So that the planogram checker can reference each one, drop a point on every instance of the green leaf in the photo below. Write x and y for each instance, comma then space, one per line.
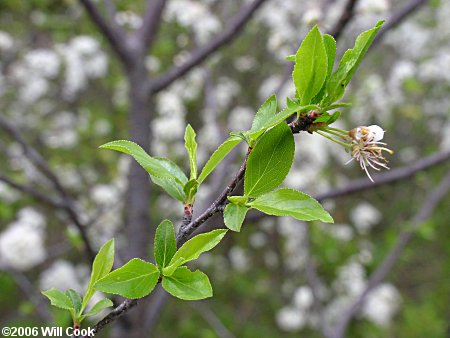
165, 243
289, 202
136, 279
311, 66
75, 298
172, 168
270, 161
234, 216
98, 307
191, 147
330, 48
293, 107
239, 200
103, 263
265, 113
163, 172
290, 58
333, 118
150, 164
188, 285
58, 299
190, 190
193, 248
348, 65
218, 156
173, 186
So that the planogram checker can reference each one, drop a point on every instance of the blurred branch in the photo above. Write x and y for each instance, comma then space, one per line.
151, 21
344, 19
112, 32
43, 166
32, 192
210, 317
398, 17
111, 8
430, 203
31, 295
387, 177
230, 32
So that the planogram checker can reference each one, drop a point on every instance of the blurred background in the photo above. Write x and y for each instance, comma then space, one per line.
77, 74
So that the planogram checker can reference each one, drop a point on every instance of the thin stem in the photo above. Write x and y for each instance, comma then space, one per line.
332, 132
346, 145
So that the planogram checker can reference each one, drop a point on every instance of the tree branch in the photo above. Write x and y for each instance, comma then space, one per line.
151, 21
113, 34
387, 177
430, 203
398, 17
42, 165
200, 54
344, 19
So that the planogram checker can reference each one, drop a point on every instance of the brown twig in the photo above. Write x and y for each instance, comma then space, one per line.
430, 203
230, 32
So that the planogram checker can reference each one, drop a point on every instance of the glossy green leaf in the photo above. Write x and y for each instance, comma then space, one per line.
291, 57
163, 172
171, 186
165, 243
265, 113
174, 185
136, 279
190, 190
75, 298
188, 285
58, 299
289, 202
330, 48
193, 248
311, 66
191, 147
234, 216
101, 266
293, 107
270, 161
348, 65
150, 164
218, 156
98, 307
240, 200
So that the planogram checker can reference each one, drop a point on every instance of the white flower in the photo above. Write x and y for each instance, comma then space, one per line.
303, 297
290, 319
381, 304
364, 216
22, 243
6, 41
367, 148
63, 275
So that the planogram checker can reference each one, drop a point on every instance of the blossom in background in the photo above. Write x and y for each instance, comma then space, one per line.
22, 243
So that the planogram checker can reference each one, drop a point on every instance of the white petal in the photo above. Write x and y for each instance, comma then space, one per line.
377, 132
